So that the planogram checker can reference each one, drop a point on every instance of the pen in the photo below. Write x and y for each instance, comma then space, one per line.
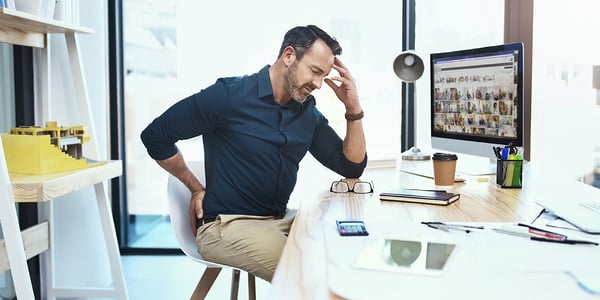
512, 232
543, 239
565, 241
526, 232
453, 225
543, 232
436, 227
505, 151
446, 227
497, 151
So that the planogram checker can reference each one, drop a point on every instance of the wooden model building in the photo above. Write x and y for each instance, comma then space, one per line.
42, 150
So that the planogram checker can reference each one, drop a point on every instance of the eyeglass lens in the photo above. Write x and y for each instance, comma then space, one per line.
360, 187
340, 187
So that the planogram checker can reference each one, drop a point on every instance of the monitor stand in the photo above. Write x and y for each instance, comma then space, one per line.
475, 165
415, 153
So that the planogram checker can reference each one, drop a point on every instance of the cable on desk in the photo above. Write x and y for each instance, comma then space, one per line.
539, 215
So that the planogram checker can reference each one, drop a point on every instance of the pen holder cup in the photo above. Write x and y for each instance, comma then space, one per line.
509, 173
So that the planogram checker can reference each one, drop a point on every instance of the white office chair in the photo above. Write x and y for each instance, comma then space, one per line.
179, 198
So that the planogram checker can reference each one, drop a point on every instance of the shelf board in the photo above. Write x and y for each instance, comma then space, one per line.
17, 27
35, 241
40, 188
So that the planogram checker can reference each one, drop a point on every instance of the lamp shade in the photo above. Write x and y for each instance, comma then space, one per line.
408, 66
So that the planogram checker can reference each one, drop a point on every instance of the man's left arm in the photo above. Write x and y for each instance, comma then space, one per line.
354, 145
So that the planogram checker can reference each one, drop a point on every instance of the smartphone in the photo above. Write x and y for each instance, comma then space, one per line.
351, 228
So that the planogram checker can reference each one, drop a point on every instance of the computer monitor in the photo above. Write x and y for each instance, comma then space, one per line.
477, 102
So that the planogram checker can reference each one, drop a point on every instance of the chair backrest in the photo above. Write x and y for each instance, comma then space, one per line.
179, 202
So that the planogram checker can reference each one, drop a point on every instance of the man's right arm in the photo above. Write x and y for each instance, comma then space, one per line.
160, 137
188, 118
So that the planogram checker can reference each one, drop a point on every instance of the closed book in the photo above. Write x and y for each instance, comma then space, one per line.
436, 197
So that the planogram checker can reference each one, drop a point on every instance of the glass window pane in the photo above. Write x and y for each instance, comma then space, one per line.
442, 26
174, 49
565, 89
150, 87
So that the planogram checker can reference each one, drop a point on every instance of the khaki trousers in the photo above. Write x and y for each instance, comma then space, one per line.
251, 243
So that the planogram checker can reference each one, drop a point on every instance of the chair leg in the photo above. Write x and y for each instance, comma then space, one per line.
251, 287
206, 281
235, 284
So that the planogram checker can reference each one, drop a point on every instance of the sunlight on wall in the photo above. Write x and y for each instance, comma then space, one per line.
564, 110
176, 49
447, 26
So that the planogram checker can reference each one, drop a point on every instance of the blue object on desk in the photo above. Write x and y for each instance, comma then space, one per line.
504, 154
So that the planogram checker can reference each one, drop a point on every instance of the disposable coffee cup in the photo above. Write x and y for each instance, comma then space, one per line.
444, 168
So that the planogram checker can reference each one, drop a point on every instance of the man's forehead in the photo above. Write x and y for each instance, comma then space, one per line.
319, 56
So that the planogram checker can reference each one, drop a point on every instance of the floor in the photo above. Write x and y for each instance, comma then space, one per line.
160, 277
151, 277
175, 276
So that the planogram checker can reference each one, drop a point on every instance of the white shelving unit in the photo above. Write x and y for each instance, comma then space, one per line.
29, 30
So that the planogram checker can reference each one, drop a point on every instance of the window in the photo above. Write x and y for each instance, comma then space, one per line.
565, 89
174, 49
442, 26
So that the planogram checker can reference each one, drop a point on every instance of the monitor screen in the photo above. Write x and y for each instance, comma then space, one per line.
477, 99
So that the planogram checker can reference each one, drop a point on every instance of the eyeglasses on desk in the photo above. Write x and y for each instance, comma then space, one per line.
358, 187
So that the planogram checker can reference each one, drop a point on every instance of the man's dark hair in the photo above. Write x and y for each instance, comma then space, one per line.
303, 37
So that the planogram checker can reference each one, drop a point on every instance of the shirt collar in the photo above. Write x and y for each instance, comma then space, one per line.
264, 82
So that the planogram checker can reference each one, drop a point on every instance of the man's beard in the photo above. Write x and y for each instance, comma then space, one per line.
294, 88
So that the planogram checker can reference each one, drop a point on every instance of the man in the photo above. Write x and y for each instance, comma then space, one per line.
256, 129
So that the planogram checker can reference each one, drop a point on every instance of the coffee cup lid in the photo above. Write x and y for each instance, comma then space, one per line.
444, 156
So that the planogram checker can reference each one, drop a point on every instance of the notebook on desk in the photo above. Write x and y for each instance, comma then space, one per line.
584, 214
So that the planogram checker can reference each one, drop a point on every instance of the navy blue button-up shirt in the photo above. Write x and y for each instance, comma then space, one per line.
252, 145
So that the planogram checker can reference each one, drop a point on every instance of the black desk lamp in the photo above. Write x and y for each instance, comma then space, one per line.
409, 67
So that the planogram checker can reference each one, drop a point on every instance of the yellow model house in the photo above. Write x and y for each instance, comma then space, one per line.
42, 150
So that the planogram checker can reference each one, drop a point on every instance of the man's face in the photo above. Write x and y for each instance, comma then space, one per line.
305, 75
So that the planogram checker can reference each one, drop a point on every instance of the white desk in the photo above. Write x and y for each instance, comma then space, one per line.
306, 271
